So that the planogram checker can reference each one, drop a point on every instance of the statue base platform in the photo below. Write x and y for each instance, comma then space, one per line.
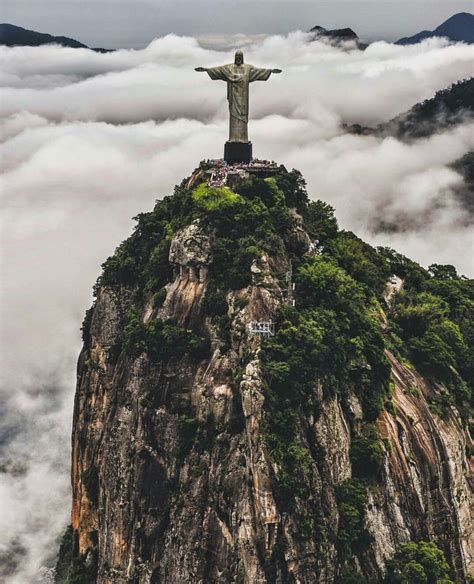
237, 152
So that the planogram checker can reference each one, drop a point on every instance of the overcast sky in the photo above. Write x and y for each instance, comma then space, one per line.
133, 23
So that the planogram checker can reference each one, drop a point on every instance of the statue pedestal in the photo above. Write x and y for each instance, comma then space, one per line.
237, 152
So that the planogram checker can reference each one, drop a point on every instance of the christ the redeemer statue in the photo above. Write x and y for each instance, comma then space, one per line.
238, 76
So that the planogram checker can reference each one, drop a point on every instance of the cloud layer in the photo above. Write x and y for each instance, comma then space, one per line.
89, 140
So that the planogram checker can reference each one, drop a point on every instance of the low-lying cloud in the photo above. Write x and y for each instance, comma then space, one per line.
89, 140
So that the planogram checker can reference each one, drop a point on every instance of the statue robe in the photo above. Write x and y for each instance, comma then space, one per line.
238, 78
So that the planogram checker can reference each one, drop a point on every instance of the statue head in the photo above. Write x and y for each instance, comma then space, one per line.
239, 58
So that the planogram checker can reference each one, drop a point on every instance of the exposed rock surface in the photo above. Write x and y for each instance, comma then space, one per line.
172, 479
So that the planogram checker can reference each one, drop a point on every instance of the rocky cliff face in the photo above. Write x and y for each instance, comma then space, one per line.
175, 473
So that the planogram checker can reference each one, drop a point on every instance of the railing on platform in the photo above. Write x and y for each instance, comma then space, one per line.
262, 328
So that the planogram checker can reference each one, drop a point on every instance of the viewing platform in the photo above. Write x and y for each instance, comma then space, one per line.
262, 328
219, 173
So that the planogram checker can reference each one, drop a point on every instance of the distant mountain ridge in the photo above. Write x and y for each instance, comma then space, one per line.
12, 35
458, 28
337, 36
446, 108
17, 36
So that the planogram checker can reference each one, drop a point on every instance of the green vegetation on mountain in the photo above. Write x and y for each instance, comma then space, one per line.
446, 108
162, 340
418, 563
72, 568
352, 535
431, 324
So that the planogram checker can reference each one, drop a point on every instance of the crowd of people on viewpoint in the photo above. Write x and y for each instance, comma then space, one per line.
220, 168
218, 176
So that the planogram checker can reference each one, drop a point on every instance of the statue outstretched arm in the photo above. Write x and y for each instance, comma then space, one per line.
215, 72
257, 74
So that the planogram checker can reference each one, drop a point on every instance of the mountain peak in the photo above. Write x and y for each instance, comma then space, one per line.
241, 390
12, 35
336, 36
457, 28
